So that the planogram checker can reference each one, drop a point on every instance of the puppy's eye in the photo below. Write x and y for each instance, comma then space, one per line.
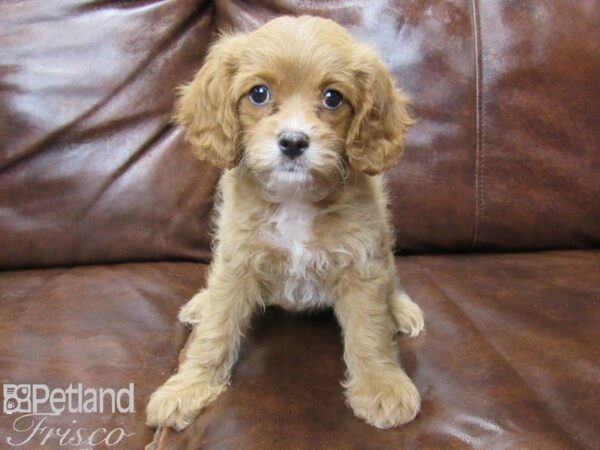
259, 95
332, 99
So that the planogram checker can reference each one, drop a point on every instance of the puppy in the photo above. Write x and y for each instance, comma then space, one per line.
303, 119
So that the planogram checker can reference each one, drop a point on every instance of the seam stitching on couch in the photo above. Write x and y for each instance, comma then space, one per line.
479, 150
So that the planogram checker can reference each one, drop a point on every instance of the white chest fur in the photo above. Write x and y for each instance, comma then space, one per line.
292, 229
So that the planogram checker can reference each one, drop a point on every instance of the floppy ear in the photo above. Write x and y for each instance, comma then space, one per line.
207, 107
375, 137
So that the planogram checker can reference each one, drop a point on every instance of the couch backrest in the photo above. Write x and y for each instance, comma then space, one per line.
90, 168
505, 154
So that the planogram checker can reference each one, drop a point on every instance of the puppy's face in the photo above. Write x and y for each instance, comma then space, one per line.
296, 105
297, 102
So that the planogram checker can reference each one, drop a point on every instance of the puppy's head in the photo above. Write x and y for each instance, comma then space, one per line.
296, 102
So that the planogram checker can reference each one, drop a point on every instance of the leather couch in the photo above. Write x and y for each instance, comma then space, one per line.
104, 212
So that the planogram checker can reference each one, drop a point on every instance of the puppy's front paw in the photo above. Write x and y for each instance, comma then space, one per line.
407, 314
177, 402
384, 400
190, 312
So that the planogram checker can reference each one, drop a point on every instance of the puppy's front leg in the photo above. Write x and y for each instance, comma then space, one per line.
230, 300
377, 388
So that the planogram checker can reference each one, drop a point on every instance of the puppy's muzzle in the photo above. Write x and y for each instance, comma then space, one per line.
293, 144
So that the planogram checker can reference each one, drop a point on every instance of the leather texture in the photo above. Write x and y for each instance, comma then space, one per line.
504, 154
104, 221
102, 326
538, 154
508, 360
91, 170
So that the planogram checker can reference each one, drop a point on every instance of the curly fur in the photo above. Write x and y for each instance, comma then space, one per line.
309, 233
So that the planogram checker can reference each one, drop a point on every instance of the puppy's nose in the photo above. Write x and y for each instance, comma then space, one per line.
293, 143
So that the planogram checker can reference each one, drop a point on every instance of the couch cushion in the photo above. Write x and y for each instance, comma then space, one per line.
91, 170
537, 153
504, 154
102, 326
509, 359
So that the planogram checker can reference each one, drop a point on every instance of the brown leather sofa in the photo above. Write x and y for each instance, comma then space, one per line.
103, 224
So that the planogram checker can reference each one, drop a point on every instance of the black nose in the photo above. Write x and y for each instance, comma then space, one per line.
293, 144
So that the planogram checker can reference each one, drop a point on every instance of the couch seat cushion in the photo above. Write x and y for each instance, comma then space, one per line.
509, 359
102, 326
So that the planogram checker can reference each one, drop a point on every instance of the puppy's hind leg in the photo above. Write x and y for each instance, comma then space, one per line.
407, 314
190, 312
